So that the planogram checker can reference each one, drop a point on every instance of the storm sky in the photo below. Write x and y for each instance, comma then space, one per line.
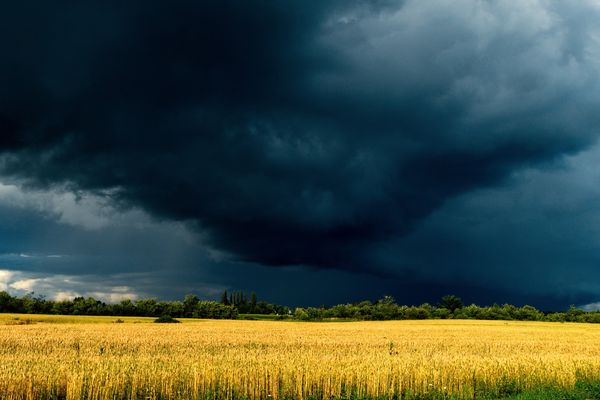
314, 152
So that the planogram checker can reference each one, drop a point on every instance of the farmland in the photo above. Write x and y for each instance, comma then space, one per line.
96, 358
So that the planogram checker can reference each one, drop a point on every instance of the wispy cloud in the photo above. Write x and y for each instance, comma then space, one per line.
62, 287
591, 306
81, 209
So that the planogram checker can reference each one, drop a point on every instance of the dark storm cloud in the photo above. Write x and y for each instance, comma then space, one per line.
293, 132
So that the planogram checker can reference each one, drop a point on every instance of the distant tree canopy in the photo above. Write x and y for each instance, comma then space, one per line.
451, 303
236, 303
191, 307
240, 301
450, 307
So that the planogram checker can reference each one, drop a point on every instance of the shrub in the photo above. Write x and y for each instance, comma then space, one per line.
166, 319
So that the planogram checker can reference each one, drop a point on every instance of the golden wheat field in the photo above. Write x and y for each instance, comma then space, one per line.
275, 360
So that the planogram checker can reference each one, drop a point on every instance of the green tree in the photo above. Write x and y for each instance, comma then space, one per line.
574, 314
253, 302
146, 307
224, 298
189, 304
172, 308
64, 307
301, 314
7, 302
451, 303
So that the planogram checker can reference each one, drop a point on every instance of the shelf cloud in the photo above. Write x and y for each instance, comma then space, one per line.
321, 134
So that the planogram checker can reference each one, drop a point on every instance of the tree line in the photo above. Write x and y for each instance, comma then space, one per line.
190, 307
230, 306
234, 305
450, 307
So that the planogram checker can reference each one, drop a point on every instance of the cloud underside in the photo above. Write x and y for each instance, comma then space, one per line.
323, 135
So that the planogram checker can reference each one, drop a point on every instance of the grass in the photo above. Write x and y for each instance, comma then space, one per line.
582, 390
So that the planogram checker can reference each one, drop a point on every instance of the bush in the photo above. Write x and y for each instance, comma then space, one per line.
166, 319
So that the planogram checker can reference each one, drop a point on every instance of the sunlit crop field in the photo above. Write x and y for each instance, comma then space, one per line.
274, 360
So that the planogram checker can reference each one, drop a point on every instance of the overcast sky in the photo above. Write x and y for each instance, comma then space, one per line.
313, 152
